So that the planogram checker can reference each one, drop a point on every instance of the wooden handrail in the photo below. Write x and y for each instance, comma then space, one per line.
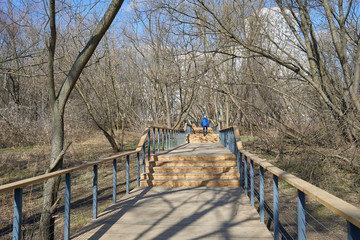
335, 204
26, 182
29, 181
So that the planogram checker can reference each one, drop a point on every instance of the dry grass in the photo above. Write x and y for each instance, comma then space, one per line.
314, 165
21, 163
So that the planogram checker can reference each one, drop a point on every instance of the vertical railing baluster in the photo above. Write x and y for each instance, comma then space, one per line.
149, 145
241, 169
238, 160
154, 139
67, 206
301, 215
353, 232
162, 143
138, 169
171, 138
252, 182
166, 139
174, 138
143, 157
17, 219
262, 217
158, 142
114, 180
246, 175
95, 191
127, 174
276, 206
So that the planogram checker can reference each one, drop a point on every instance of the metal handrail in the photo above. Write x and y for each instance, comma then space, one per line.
230, 138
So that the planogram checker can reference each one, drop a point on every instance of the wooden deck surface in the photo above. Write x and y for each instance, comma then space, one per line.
197, 149
178, 213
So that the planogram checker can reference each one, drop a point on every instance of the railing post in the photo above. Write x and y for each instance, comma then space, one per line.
158, 148
149, 145
252, 182
353, 232
127, 174
238, 160
246, 175
17, 220
162, 143
95, 188
114, 180
143, 157
174, 138
154, 139
241, 169
171, 138
67, 206
166, 139
301, 215
262, 217
276, 206
138, 169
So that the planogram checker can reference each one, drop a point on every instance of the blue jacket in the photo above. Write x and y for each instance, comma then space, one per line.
204, 122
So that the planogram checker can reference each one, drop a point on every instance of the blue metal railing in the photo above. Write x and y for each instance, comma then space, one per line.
173, 138
230, 138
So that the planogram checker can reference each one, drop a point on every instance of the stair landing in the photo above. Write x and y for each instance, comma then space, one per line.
178, 214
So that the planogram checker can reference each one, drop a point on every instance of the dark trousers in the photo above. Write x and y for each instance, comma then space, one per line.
205, 130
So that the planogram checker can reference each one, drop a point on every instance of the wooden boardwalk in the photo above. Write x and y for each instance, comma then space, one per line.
180, 212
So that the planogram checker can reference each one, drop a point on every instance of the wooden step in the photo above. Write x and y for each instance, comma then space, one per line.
192, 169
191, 158
191, 183
189, 163
193, 175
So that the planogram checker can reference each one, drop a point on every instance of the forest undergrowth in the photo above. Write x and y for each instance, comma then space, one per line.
19, 163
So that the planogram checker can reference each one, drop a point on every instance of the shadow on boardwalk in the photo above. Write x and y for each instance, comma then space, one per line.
178, 213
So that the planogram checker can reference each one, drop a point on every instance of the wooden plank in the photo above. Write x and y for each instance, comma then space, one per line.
179, 213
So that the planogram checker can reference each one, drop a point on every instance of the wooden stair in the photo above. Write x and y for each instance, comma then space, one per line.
191, 171
197, 135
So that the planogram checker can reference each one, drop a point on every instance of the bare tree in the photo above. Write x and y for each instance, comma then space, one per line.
58, 102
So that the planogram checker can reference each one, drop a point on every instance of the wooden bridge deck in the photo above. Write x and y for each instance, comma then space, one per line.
180, 213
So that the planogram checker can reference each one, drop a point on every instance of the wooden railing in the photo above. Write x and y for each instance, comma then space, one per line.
169, 138
230, 138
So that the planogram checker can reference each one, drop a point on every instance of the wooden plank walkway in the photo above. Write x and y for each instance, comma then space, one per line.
181, 212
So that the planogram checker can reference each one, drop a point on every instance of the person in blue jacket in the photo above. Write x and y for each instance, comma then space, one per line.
205, 125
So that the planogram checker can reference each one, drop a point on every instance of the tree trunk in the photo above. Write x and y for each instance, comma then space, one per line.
51, 186
58, 103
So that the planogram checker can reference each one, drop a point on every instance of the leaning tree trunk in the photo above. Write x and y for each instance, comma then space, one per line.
51, 186
58, 102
